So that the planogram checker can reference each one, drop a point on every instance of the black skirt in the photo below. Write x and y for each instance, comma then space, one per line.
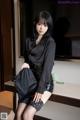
29, 97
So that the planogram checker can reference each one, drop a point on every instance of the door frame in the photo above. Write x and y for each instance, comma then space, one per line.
13, 49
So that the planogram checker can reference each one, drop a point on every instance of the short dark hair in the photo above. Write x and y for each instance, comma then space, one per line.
46, 18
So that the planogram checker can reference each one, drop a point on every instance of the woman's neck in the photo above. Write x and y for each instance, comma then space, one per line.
39, 39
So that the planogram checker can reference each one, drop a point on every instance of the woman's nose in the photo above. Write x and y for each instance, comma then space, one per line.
40, 27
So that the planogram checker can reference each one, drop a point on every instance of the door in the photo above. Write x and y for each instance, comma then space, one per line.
6, 41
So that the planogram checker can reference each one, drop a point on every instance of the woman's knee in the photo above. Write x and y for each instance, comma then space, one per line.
25, 116
28, 115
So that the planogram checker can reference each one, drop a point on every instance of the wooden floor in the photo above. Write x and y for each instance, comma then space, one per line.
6, 99
6, 106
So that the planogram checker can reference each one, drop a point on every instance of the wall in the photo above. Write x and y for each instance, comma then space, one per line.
66, 71
71, 12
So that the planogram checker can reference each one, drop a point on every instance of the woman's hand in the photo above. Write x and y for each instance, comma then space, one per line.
25, 65
37, 97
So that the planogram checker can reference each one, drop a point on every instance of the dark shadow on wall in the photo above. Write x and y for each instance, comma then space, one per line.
25, 22
63, 44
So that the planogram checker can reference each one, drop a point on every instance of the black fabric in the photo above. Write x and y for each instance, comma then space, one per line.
37, 105
40, 57
25, 82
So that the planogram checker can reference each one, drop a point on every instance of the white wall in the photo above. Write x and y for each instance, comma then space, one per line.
66, 71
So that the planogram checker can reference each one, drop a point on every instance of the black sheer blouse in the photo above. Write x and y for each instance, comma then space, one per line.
40, 57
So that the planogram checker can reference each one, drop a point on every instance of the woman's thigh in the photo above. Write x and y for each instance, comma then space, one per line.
46, 95
20, 108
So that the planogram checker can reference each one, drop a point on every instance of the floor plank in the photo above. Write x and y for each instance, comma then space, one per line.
6, 99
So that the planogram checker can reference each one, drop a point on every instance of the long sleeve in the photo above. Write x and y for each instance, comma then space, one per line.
47, 66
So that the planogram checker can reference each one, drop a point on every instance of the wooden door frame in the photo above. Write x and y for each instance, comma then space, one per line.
1, 59
13, 42
14, 49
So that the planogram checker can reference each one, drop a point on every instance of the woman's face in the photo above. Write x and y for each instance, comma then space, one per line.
41, 28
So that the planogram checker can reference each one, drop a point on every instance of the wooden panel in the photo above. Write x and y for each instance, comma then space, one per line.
6, 25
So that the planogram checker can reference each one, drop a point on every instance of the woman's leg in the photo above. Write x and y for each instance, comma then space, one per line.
20, 110
32, 109
29, 113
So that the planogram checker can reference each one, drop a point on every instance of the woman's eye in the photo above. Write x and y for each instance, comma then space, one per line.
45, 25
39, 23
42, 24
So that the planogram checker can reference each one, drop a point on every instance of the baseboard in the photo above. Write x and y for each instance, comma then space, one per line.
65, 100
40, 118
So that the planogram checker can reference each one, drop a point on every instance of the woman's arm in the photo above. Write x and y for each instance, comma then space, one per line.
47, 66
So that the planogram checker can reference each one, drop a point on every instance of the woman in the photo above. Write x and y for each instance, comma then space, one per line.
39, 57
